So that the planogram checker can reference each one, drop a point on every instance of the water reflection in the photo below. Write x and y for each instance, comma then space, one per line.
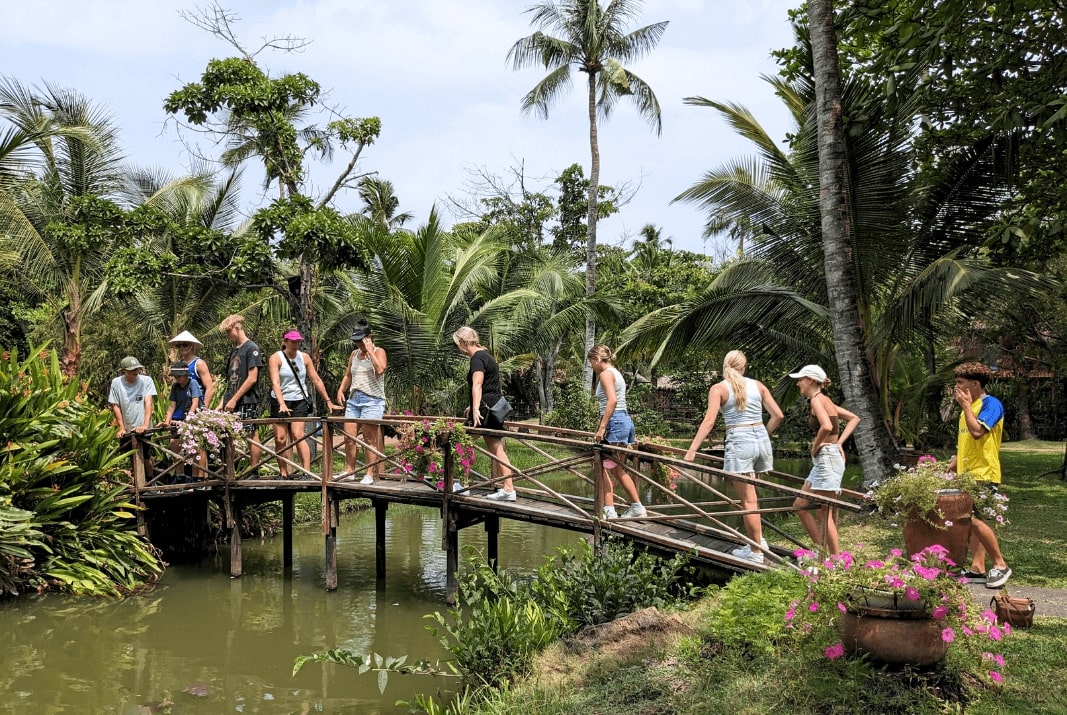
204, 643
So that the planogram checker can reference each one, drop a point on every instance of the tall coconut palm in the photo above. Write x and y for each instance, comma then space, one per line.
909, 247
380, 202
593, 39
59, 210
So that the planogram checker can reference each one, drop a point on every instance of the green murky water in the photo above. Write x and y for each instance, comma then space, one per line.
201, 642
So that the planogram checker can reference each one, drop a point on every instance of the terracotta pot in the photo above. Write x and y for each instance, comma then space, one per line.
956, 506
891, 639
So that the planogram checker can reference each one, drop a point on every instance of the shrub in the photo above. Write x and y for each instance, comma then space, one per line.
496, 628
61, 464
592, 589
575, 409
750, 611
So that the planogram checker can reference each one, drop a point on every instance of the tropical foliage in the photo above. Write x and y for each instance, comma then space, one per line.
62, 489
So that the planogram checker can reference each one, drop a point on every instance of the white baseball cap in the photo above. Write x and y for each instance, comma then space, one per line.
813, 372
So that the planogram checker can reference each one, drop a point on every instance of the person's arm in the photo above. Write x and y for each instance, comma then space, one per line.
248, 384
772, 408
274, 366
204, 373
851, 421
477, 378
706, 425
313, 375
346, 381
171, 406
974, 427
377, 356
117, 411
826, 423
147, 424
607, 381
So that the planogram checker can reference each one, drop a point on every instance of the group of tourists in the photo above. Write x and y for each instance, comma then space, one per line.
741, 400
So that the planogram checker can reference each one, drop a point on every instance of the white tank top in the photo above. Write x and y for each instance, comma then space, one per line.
364, 379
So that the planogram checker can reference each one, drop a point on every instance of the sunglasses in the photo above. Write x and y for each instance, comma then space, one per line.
183, 345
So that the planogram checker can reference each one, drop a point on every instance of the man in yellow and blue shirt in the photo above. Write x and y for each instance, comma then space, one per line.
978, 452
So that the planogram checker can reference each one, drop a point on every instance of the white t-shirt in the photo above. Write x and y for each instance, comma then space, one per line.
129, 396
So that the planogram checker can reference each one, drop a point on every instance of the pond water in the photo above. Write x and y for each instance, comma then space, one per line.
201, 642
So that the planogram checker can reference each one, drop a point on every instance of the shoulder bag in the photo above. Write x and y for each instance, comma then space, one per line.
1016, 610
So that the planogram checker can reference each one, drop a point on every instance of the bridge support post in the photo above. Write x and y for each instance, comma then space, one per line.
380, 507
287, 531
236, 567
451, 537
492, 532
330, 518
600, 487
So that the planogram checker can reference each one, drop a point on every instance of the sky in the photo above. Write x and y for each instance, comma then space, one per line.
435, 72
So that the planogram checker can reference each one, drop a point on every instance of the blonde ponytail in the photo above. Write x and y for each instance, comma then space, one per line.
733, 372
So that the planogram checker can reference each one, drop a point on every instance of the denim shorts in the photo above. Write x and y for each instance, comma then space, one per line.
827, 469
748, 450
620, 429
362, 406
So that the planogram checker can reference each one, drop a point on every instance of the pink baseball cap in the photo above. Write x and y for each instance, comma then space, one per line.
293, 335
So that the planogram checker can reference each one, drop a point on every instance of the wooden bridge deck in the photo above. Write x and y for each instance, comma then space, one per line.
700, 529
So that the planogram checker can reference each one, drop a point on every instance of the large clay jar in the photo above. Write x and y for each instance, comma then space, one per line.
891, 636
956, 506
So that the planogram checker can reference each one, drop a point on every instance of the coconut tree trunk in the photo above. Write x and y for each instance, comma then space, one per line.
590, 236
872, 437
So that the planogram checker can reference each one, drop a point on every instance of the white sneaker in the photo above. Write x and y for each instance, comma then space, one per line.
457, 487
501, 495
755, 557
745, 552
608, 512
367, 479
636, 511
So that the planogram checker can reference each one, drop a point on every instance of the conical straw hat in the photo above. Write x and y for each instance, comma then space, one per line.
186, 337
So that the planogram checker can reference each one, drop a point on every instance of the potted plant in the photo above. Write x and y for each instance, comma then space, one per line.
421, 446
208, 430
935, 505
895, 610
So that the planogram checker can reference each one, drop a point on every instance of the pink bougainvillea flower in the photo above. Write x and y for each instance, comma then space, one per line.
938, 613
912, 594
790, 614
996, 677
841, 607
813, 607
896, 552
948, 635
835, 651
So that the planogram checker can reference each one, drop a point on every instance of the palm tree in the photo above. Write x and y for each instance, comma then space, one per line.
910, 248
420, 288
593, 39
380, 203
56, 214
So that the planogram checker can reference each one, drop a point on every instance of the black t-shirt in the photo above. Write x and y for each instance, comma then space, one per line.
242, 359
483, 362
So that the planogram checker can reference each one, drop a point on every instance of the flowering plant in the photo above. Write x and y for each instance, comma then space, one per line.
207, 430
421, 449
663, 473
915, 490
924, 583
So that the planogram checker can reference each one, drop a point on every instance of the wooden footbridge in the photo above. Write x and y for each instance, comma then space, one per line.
560, 483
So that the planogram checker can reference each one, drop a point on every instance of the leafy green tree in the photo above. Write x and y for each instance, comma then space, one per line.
257, 115
593, 39
58, 209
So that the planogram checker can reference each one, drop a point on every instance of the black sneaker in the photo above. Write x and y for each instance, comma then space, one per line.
973, 576
998, 577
